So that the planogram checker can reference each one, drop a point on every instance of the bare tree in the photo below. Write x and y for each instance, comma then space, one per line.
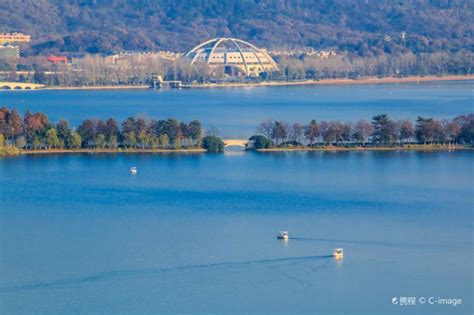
297, 132
280, 131
452, 129
362, 131
405, 130
266, 128
311, 131
213, 132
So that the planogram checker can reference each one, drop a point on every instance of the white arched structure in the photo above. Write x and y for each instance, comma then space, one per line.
233, 52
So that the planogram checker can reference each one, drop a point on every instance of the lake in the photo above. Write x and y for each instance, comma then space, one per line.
237, 111
196, 233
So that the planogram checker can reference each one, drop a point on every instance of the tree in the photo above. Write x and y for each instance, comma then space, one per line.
297, 131
384, 129
266, 128
141, 126
100, 141
40, 77
112, 142
3, 119
346, 131
164, 140
195, 130
176, 144
75, 141
64, 133
130, 140
87, 131
142, 139
111, 130
404, 130
280, 131
153, 142
362, 131
21, 142
100, 126
14, 125
466, 135
35, 127
129, 125
213, 132
311, 131
36, 143
51, 138
261, 142
213, 144
428, 130
452, 129
324, 133
171, 128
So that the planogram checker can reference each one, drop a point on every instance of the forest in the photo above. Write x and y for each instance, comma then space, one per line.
364, 28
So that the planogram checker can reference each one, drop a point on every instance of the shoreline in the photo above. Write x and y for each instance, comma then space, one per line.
96, 87
109, 151
361, 81
10, 152
426, 147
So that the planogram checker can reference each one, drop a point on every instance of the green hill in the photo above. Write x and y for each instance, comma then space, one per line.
363, 27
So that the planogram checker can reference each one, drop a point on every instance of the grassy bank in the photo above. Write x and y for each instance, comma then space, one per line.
9, 151
13, 151
411, 147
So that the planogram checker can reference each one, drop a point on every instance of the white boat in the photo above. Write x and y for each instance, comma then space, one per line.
283, 235
133, 170
338, 253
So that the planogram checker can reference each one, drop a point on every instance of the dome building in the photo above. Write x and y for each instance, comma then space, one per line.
236, 56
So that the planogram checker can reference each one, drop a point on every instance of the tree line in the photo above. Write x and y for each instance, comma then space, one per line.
349, 66
380, 131
94, 70
36, 131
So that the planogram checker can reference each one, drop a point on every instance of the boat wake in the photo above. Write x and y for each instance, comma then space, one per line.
359, 242
102, 276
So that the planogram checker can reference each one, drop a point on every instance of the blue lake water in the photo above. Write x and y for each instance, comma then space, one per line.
196, 233
237, 111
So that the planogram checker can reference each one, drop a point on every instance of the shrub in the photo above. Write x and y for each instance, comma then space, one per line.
213, 144
261, 142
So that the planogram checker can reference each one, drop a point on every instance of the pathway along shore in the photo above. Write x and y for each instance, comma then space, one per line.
370, 80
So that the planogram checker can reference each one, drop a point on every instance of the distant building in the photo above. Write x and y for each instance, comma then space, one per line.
11, 38
57, 59
9, 51
126, 58
232, 54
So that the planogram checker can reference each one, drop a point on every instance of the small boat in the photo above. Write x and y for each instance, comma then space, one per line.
133, 170
283, 235
338, 253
